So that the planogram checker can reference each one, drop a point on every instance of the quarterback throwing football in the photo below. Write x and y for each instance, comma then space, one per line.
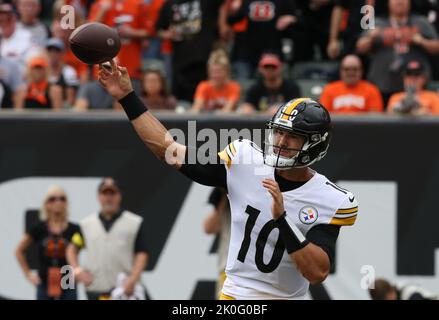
285, 216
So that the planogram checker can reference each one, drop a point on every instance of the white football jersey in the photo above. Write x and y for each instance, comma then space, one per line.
258, 266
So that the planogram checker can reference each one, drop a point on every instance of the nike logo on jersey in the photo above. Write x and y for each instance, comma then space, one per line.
352, 199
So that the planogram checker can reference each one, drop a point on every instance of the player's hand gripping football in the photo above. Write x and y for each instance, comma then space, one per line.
277, 208
115, 80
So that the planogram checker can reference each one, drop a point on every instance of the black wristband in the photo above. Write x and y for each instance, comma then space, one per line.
291, 236
133, 106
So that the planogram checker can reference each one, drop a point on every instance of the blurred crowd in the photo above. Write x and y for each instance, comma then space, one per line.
244, 56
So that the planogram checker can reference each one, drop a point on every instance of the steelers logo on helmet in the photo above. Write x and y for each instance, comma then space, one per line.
298, 134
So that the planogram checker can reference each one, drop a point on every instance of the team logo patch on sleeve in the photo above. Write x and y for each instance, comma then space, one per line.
308, 215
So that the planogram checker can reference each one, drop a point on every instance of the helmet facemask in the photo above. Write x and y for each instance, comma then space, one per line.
277, 155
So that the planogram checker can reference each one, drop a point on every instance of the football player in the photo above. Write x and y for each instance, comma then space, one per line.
285, 216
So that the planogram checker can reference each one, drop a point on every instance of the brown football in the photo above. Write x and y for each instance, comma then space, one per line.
94, 43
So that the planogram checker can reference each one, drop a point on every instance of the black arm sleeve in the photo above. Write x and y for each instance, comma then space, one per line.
216, 196
325, 236
213, 175
163, 22
141, 243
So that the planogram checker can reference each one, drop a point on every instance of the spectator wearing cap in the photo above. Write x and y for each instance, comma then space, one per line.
28, 11
40, 94
218, 92
82, 70
115, 243
415, 99
16, 43
270, 91
61, 73
351, 94
155, 93
393, 42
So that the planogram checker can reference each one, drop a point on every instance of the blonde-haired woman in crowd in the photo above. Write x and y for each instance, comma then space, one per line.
218, 92
52, 235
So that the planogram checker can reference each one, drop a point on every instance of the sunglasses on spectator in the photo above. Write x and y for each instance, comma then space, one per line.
109, 192
55, 198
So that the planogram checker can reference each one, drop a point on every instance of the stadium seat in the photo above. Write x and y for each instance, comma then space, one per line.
245, 86
433, 86
311, 88
323, 70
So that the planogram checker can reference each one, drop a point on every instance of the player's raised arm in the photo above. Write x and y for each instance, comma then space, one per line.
155, 136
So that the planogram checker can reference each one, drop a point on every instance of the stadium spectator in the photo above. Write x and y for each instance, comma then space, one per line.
16, 43
384, 290
60, 73
345, 24
351, 94
40, 94
270, 91
82, 70
218, 92
12, 82
218, 222
234, 36
52, 235
308, 27
191, 26
152, 46
126, 17
266, 20
28, 11
415, 99
394, 41
91, 95
115, 243
155, 93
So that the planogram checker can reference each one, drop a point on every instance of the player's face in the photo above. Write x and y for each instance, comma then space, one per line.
287, 144
110, 200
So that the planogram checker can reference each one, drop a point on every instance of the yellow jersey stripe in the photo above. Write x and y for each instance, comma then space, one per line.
347, 211
343, 222
226, 297
232, 148
291, 107
225, 157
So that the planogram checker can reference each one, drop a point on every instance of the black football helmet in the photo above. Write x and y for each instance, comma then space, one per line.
304, 117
